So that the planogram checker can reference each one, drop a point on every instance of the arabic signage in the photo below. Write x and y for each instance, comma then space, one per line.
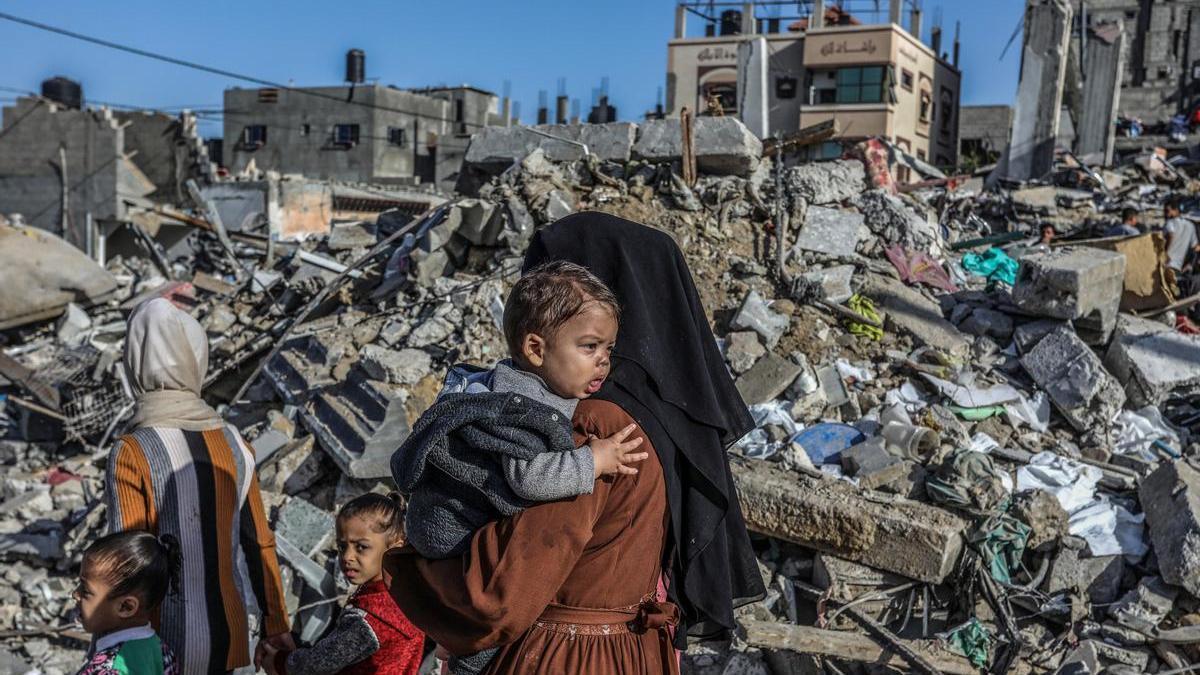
717, 54
866, 46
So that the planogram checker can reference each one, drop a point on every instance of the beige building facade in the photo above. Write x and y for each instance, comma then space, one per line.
874, 79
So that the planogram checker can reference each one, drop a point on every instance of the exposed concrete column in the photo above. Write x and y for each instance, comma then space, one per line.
915, 24
680, 22
753, 98
895, 9
1040, 91
749, 24
816, 20
1103, 64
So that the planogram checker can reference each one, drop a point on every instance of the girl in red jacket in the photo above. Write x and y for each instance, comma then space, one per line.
371, 634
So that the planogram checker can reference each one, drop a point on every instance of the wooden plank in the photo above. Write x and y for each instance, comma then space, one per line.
810, 135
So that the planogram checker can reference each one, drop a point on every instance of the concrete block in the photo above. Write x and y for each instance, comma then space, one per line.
479, 222
1040, 90
1154, 362
1170, 498
406, 366
871, 464
827, 182
1027, 335
1145, 605
834, 282
1099, 577
770, 376
912, 312
1078, 284
347, 236
723, 145
830, 231
990, 323
308, 527
897, 535
757, 316
1075, 380
505, 145
742, 349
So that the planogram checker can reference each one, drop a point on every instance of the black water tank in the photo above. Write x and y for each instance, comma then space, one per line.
731, 22
64, 91
356, 66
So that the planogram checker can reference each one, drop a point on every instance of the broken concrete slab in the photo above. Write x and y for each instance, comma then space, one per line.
770, 376
349, 236
830, 231
479, 222
742, 349
845, 645
1078, 284
722, 145
756, 315
1047, 35
871, 464
988, 322
1041, 199
308, 527
1170, 498
1099, 577
40, 274
915, 540
1155, 362
914, 313
827, 182
1145, 605
406, 366
833, 281
1074, 379
502, 146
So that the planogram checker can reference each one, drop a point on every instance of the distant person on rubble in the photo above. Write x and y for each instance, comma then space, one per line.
613, 581
1128, 226
499, 440
183, 472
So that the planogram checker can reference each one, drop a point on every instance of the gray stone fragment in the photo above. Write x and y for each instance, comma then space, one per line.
1170, 498
347, 236
830, 231
405, 366
912, 312
891, 220
73, 324
723, 145
505, 145
1075, 380
1099, 577
268, 443
834, 282
308, 527
433, 331
480, 222
430, 266
1027, 335
742, 349
827, 182
1078, 284
559, 204
871, 463
1154, 362
756, 315
769, 378
1145, 605
990, 323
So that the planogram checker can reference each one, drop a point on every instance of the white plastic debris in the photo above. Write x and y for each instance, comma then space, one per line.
1138, 429
757, 444
852, 373
1033, 411
968, 395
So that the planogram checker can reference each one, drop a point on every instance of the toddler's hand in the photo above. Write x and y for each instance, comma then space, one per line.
612, 455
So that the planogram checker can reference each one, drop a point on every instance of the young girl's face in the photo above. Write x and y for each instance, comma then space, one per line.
360, 549
100, 611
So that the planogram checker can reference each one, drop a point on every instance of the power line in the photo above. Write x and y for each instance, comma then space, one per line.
217, 71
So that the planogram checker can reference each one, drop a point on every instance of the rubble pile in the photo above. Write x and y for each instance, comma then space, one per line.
973, 446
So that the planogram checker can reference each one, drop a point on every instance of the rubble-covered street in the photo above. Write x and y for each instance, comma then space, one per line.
969, 453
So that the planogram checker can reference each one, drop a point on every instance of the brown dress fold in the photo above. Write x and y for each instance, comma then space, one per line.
562, 587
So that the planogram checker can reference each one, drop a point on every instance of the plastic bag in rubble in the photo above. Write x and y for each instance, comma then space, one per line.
758, 444
1034, 411
1138, 429
1108, 528
968, 479
993, 264
971, 640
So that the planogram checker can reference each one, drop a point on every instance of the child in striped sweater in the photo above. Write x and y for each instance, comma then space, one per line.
123, 579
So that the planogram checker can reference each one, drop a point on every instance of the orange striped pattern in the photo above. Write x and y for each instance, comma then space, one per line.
135, 494
224, 472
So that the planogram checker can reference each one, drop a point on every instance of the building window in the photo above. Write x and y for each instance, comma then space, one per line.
947, 110
305, 129
345, 135
860, 85
920, 154
785, 87
254, 136
396, 136
906, 79
926, 107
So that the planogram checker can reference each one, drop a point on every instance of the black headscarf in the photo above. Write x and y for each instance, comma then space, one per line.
669, 376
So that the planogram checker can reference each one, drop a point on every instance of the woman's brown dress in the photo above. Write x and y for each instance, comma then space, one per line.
562, 587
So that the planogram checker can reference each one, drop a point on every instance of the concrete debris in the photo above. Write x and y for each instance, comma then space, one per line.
334, 312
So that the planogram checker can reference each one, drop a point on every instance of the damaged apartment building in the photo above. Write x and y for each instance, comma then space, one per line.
853, 62
358, 131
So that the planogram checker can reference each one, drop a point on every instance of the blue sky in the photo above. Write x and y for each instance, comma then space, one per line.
531, 43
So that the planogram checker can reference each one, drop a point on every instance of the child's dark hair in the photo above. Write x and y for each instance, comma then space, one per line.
387, 512
548, 296
136, 562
